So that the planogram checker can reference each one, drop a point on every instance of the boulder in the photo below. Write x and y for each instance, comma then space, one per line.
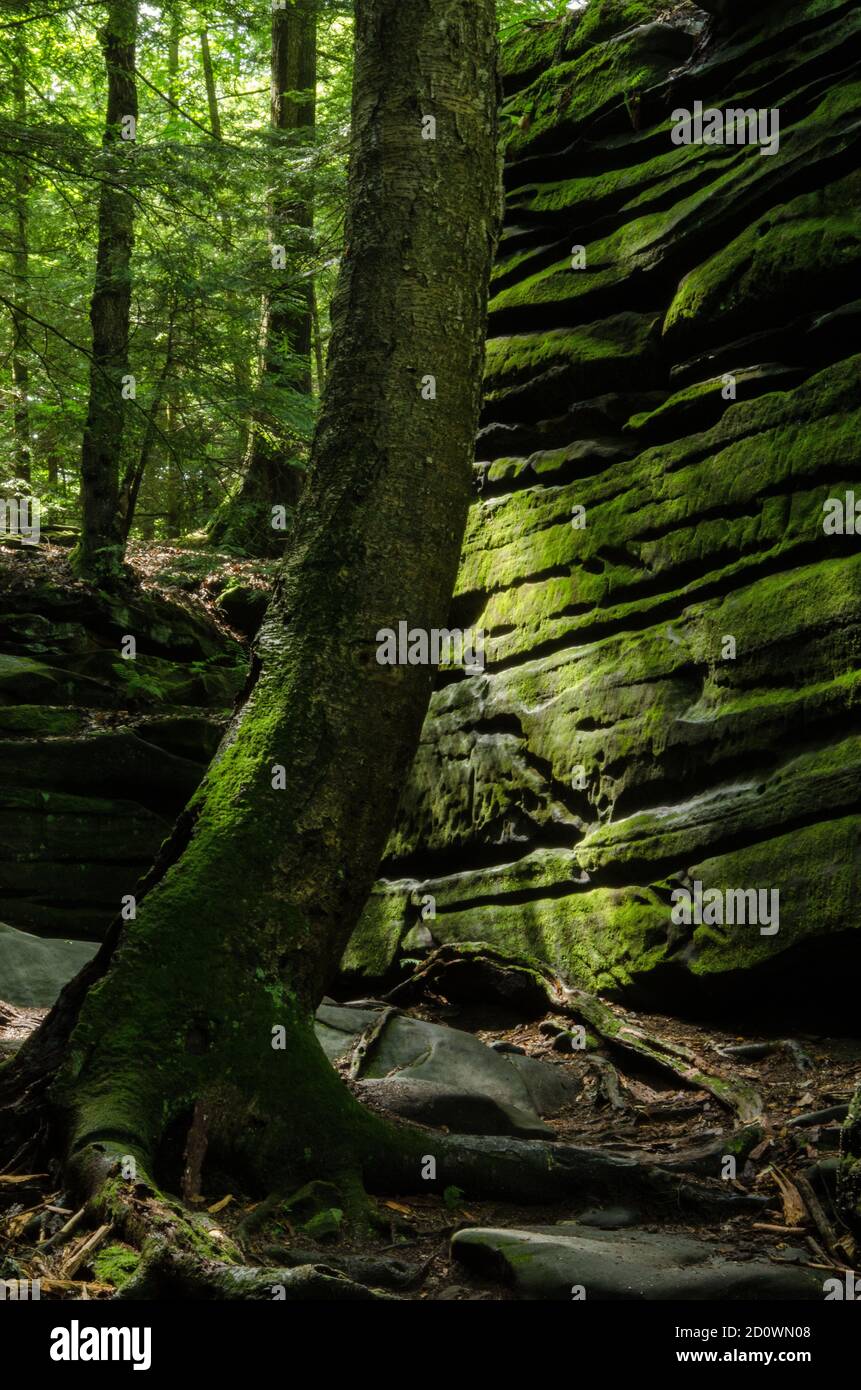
33, 971
568, 1262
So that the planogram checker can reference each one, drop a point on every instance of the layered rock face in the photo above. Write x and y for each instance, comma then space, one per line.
663, 553
99, 752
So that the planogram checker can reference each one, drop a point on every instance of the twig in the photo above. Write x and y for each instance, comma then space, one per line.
73, 1264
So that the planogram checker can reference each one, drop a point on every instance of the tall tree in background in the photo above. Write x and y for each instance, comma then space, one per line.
270, 476
197, 1034
21, 270
99, 552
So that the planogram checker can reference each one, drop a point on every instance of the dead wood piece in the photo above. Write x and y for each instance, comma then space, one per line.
794, 1210
65, 1231
368, 1040
827, 1232
608, 1082
80, 1256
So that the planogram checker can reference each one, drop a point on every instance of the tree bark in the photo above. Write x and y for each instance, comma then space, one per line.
21, 273
269, 477
241, 366
99, 553
246, 915
173, 42
131, 486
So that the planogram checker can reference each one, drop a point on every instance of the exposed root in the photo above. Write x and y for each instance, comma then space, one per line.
526, 1170
460, 968
753, 1051
165, 1273
681, 1062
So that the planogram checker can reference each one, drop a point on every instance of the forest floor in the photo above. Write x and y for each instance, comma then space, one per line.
647, 1115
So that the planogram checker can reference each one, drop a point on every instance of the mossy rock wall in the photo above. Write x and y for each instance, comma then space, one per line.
98, 754
694, 387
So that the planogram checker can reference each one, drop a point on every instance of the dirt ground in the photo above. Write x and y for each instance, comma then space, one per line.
626, 1106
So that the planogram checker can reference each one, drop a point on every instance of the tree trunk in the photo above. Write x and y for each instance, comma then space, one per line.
177, 1035
174, 37
241, 366
209, 81
135, 473
21, 273
244, 522
100, 550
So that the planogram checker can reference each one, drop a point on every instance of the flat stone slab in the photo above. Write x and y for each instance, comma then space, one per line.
33, 969
555, 1262
460, 1072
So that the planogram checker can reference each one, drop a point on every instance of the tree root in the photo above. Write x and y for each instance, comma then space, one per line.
819, 1117
527, 1170
753, 1051
375, 1271
680, 1061
530, 984
165, 1273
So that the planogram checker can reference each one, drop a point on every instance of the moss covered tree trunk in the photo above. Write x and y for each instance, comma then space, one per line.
195, 1032
99, 552
270, 476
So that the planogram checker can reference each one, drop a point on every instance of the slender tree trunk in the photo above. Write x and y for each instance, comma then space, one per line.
100, 550
135, 475
318, 340
209, 81
241, 367
247, 913
21, 272
269, 477
174, 37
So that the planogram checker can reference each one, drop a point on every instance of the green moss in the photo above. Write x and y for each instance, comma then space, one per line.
39, 721
527, 47
603, 19
720, 496
601, 352
572, 92
813, 869
115, 1264
788, 256
373, 946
